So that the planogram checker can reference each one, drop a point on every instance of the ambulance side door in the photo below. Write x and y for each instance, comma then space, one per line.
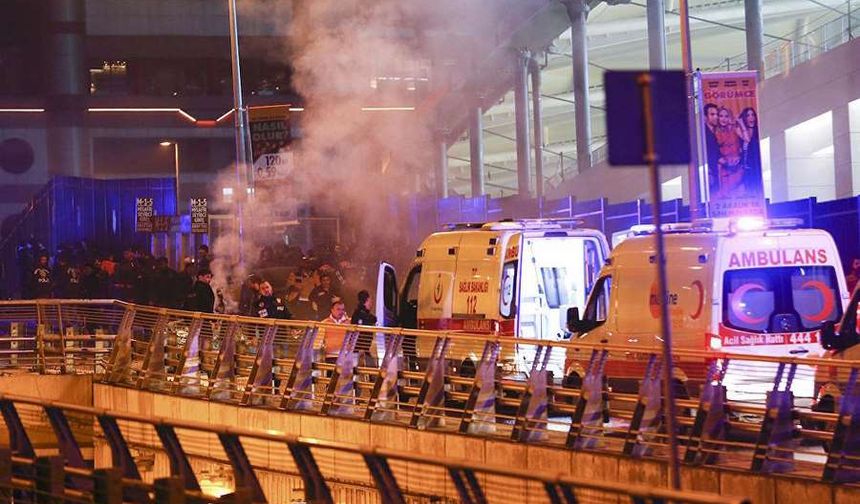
386, 296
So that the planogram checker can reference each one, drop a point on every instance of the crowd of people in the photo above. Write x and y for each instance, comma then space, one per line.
320, 285
81, 272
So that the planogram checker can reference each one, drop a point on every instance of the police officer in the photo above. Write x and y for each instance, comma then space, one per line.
269, 306
40, 279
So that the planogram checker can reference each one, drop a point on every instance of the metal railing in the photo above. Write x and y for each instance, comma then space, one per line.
451, 382
224, 471
783, 54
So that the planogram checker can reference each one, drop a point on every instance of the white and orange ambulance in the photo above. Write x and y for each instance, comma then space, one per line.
740, 287
515, 278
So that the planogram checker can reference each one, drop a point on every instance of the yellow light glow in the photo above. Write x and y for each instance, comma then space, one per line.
225, 115
145, 109
165, 143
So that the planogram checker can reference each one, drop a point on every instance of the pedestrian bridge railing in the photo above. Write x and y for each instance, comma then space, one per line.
736, 411
224, 470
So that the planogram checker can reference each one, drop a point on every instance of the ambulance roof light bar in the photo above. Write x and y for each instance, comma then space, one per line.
750, 223
524, 224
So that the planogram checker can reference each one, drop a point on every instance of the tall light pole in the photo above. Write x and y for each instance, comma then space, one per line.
168, 143
239, 116
687, 61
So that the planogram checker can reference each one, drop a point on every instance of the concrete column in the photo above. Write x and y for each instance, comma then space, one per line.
534, 69
778, 167
67, 89
755, 35
476, 150
842, 162
442, 168
577, 11
656, 35
521, 110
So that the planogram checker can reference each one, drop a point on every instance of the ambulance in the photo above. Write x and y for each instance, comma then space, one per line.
744, 286
514, 278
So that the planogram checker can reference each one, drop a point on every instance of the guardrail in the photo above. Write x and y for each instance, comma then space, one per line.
424, 379
364, 472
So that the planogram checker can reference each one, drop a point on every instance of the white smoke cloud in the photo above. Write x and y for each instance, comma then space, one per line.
349, 162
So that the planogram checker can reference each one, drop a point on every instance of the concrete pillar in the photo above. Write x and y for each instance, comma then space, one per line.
442, 168
656, 35
476, 150
534, 69
842, 162
521, 111
755, 35
778, 167
577, 11
67, 90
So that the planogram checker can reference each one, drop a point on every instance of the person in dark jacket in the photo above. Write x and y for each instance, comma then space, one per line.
300, 309
41, 284
321, 296
67, 281
269, 306
248, 296
202, 298
162, 285
363, 315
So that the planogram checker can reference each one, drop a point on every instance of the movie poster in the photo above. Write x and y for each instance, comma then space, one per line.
730, 126
270, 140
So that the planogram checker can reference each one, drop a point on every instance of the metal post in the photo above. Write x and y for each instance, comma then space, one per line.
476, 151
534, 68
665, 327
521, 113
239, 116
176, 166
577, 11
755, 35
656, 35
687, 57
67, 86
442, 169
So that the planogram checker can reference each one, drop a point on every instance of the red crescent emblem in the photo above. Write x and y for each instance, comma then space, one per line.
826, 297
437, 290
737, 297
701, 305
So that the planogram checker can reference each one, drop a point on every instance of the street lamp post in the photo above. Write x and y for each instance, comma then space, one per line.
167, 143
239, 116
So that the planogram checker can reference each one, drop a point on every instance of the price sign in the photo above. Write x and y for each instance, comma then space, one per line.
143, 223
199, 215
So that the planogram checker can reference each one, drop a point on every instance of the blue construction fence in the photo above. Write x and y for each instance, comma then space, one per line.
838, 217
71, 209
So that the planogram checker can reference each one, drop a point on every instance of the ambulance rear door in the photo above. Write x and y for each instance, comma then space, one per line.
558, 270
777, 291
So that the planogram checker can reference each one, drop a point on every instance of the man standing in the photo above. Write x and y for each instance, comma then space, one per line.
202, 297
40, 279
299, 308
248, 296
322, 295
363, 315
269, 306
334, 337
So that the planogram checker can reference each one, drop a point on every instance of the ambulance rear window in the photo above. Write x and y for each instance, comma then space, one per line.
779, 300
